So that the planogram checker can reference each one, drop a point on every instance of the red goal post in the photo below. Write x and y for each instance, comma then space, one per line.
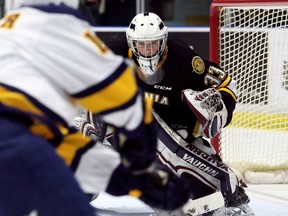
249, 39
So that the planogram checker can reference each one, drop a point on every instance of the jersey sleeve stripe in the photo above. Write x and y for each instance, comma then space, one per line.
229, 92
110, 94
223, 87
225, 83
73, 145
19, 105
15, 98
46, 123
103, 84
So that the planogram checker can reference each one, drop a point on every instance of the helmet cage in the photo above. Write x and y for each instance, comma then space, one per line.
147, 27
147, 38
149, 47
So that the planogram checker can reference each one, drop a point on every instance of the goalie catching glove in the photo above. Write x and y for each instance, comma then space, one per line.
209, 109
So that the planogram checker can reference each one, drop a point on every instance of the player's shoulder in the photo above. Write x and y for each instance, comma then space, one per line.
180, 53
177, 44
185, 53
180, 49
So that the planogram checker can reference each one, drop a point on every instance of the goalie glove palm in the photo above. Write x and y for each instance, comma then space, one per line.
209, 109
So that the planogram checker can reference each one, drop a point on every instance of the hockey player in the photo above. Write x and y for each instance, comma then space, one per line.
51, 62
193, 97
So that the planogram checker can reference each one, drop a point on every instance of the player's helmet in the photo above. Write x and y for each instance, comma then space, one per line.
147, 37
13, 4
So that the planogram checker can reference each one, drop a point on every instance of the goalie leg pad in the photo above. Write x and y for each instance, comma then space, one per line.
198, 183
179, 154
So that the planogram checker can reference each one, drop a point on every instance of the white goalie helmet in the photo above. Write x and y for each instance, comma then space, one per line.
147, 37
14, 4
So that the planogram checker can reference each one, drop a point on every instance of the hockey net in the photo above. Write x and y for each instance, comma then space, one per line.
249, 39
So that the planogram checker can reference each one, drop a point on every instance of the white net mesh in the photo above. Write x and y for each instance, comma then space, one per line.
253, 47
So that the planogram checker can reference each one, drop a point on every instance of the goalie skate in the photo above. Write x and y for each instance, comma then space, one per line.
236, 206
178, 212
243, 210
203, 210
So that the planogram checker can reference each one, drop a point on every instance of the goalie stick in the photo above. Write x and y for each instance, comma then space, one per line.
196, 207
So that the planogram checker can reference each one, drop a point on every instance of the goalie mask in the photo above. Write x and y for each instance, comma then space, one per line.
147, 38
14, 4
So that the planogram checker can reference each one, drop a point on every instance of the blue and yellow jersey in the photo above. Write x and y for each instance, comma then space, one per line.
52, 62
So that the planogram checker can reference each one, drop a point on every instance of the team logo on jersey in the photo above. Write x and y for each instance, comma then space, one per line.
198, 65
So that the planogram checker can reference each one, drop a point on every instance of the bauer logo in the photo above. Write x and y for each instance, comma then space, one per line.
198, 65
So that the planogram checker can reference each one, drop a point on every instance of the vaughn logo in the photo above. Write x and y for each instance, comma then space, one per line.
198, 164
207, 157
202, 161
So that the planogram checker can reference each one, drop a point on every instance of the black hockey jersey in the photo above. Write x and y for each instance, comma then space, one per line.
184, 69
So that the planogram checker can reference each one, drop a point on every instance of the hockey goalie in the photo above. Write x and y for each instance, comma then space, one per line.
193, 100
196, 161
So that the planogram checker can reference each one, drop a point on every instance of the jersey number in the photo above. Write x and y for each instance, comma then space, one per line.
96, 41
9, 21
215, 77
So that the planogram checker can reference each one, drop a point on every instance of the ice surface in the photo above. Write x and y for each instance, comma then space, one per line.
266, 200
